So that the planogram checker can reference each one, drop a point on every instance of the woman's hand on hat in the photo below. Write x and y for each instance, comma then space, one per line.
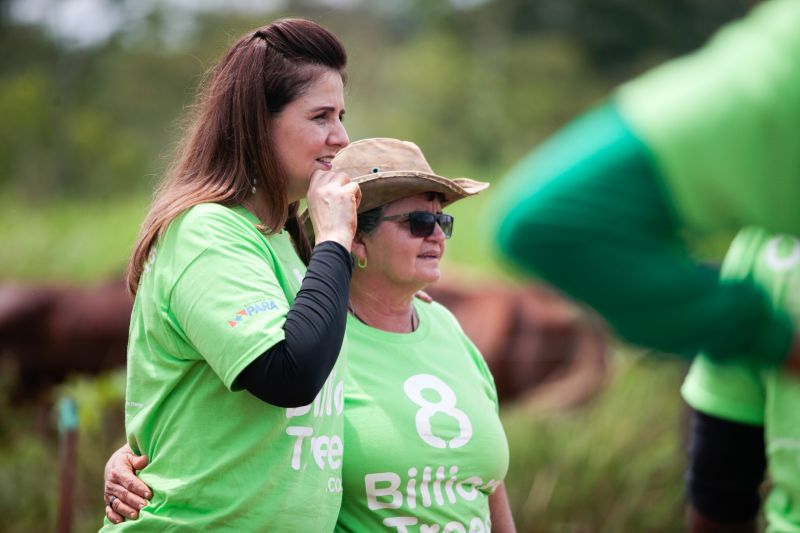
124, 493
332, 203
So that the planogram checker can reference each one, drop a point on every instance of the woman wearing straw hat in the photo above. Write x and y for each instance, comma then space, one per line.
745, 420
424, 446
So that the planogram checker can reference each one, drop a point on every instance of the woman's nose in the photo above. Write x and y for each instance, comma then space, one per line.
338, 136
438, 233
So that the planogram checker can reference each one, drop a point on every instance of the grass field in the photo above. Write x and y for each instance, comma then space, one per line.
613, 466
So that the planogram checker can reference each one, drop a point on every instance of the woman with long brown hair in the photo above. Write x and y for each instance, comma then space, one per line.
224, 301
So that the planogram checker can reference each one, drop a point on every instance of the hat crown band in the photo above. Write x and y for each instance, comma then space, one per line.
378, 156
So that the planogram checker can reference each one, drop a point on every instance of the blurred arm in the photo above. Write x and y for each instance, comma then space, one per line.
726, 466
697, 523
588, 213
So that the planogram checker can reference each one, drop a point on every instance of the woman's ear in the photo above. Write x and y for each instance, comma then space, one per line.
358, 247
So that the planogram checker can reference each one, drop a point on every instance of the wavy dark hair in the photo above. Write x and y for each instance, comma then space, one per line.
227, 146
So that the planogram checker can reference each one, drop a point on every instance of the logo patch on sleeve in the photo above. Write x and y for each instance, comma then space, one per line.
252, 309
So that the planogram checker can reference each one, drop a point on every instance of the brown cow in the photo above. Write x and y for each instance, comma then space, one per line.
52, 331
539, 346
536, 343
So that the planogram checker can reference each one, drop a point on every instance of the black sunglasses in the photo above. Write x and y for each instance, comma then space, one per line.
423, 223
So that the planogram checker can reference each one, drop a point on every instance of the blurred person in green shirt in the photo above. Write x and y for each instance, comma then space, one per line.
746, 417
705, 143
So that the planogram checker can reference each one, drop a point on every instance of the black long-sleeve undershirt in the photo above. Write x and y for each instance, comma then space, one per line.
292, 372
727, 461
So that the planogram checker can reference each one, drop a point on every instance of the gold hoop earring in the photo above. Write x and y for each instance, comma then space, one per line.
362, 264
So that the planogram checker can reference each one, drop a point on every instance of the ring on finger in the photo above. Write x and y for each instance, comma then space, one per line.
111, 501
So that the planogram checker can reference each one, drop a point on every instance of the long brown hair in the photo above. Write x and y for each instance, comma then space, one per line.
228, 148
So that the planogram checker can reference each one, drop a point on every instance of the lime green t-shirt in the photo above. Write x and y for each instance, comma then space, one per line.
723, 124
746, 394
425, 446
213, 297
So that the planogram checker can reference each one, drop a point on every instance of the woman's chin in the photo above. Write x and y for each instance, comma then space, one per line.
429, 276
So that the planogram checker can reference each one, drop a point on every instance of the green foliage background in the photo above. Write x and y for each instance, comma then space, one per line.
86, 132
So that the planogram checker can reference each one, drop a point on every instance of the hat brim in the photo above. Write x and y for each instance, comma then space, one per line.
385, 187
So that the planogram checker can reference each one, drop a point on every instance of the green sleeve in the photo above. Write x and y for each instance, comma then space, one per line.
730, 391
228, 302
739, 391
587, 211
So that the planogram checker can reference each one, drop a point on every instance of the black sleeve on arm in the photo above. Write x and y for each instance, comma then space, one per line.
292, 372
726, 466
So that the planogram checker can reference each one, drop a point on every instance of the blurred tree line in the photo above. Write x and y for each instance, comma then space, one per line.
476, 83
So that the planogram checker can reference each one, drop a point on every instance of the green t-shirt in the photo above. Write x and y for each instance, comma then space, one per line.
746, 394
723, 124
425, 446
213, 297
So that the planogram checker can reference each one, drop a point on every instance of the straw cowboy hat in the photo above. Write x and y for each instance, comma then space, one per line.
390, 169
